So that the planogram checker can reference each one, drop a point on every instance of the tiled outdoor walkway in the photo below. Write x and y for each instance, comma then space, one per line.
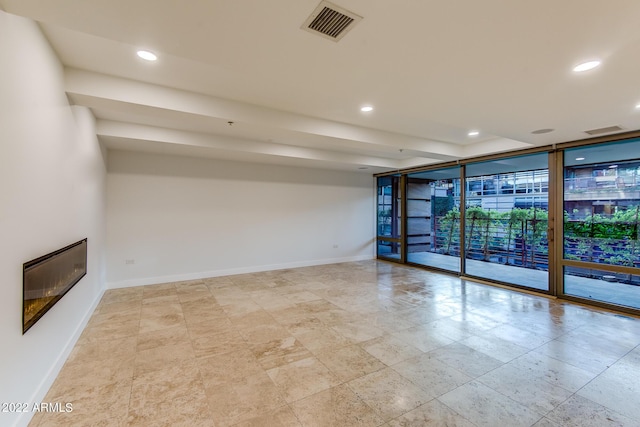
368, 343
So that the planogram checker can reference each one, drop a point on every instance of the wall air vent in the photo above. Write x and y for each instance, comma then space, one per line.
608, 129
330, 21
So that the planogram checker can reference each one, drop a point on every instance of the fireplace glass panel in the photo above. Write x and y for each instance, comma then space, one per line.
48, 278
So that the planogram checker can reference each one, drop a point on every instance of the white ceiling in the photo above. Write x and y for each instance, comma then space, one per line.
433, 70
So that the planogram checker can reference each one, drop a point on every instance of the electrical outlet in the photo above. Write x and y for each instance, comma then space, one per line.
129, 261
335, 246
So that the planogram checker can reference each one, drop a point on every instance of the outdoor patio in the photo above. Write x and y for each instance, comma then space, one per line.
596, 289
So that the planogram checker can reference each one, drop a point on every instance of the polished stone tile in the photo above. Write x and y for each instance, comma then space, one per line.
474, 323
423, 338
322, 338
545, 422
122, 295
338, 317
486, 407
110, 331
218, 343
193, 292
208, 327
390, 350
466, 359
202, 310
556, 372
594, 361
95, 373
160, 300
617, 388
449, 328
279, 352
97, 350
228, 367
119, 307
389, 323
291, 315
497, 348
607, 341
304, 296
165, 385
91, 402
431, 375
431, 414
243, 399
388, 393
302, 378
182, 411
153, 318
176, 335
358, 331
518, 336
296, 347
337, 406
158, 358
304, 325
534, 393
280, 417
349, 362
242, 307
578, 411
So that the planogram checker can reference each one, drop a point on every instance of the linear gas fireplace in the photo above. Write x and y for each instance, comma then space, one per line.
46, 279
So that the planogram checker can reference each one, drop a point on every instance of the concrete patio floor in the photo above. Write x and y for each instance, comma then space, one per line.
595, 289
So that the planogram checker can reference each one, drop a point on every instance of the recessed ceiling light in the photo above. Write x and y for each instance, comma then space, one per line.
366, 108
579, 158
638, 107
474, 133
585, 66
146, 55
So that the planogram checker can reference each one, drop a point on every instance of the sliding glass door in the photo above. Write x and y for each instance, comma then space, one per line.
433, 218
564, 221
506, 220
601, 201
389, 217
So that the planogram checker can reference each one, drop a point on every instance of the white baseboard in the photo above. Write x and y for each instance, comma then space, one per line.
231, 271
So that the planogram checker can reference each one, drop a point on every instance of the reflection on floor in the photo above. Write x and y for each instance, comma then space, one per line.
367, 343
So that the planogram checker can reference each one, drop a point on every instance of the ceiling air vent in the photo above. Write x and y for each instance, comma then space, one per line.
330, 21
600, 131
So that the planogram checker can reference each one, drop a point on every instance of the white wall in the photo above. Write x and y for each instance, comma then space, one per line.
52, 193
182, 218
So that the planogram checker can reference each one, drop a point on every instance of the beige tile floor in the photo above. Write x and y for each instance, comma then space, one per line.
355, 344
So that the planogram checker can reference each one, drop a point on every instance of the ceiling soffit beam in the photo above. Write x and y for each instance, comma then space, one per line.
131, 131
497, 145
87, 83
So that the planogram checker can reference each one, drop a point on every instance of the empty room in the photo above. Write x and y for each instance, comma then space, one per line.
313, 213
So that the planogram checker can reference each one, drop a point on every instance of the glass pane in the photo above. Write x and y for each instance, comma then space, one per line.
389, 204
601, 220
388, 249
433, 218
602, 205
506, 220
615, 288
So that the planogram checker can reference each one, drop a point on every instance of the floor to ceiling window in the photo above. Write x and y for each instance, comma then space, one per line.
433, 218
506, 220
561, 220
601, 200
389, 213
